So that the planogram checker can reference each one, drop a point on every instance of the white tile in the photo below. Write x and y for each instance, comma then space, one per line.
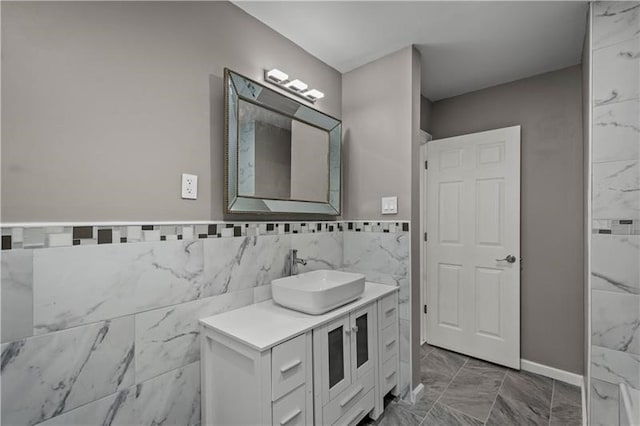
605, 399
170, 399
321, 250
169, 338
54, 373
614, 263
615, 321
59, 240
187, 233
233, 264
616, 72
616, 190
613, 22
262, 293
616, 132
17, 294
114, 410
615, 366
151, 235
134, 233
79, 285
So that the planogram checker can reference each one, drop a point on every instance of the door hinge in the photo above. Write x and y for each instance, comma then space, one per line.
425, 236
425, 309
426, 164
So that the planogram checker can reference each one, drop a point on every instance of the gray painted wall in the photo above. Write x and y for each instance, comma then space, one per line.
425, 114
548, 107
105, 104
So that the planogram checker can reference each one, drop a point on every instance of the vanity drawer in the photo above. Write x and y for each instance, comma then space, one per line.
341, 404
389, 342
357, 412
290, 409
389, 311
389, 376
288, 366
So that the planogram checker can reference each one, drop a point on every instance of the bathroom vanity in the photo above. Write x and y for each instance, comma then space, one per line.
266, 364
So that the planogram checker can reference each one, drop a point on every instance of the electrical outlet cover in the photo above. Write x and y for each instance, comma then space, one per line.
189, 186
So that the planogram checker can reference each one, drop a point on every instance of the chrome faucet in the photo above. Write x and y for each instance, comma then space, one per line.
293, 261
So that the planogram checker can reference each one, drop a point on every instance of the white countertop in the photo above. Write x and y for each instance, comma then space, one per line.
266, 324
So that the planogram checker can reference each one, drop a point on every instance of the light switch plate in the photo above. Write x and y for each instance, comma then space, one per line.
389, 205
189, 186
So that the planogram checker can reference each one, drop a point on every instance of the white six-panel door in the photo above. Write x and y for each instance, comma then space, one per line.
473, 220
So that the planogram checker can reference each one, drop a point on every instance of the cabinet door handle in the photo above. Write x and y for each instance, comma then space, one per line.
390, 375
350, 397
391, 309
353, 419
354, 328
290, 417
291, 366
390, 342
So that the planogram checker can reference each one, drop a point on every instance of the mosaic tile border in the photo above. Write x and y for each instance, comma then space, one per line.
616, 226
27, 237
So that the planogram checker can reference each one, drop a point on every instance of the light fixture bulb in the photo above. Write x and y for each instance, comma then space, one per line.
277, 75
313, 94
296, 85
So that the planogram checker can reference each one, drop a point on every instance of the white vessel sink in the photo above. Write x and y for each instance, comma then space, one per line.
317, 292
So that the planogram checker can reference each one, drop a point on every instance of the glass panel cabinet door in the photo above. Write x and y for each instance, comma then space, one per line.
363, 323
337, 356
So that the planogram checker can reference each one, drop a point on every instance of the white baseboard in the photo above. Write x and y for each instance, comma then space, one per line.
416, 394
553, 373
583, 389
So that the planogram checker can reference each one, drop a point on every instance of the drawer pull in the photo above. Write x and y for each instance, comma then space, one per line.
291, 366
390, 375
350, 397
390, 342
391, 309
353, 419
290, 417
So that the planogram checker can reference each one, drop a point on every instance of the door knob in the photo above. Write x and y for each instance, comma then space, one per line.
509, 258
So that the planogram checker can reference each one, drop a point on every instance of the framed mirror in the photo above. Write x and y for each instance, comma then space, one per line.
281, 156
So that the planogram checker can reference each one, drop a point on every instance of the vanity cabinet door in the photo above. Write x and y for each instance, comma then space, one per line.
363, 338
337, 356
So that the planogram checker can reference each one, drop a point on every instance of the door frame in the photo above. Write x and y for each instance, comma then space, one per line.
424, 139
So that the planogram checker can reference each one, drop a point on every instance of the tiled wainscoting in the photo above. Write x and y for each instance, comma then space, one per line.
615, 241
106, 332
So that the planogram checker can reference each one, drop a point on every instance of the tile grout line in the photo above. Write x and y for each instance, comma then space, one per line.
496, 398
445, 389
553, 391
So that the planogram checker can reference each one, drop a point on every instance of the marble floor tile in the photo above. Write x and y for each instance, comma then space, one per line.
439, 367
395, 415
566, 405
472, 394
425, 403
17, 294
524, 398
485, 368
441, 415
425, 349
45, 376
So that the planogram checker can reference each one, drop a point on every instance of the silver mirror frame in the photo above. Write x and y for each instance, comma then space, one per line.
238, 87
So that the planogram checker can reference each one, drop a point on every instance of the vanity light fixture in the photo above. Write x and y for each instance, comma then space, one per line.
295, 86
276, 76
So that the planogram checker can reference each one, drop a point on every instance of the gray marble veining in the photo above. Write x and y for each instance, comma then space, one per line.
395, 414
17, 294
616, 72
614, 263
74, 286
616, 190
170, 399
471, 393
232, 264
615, 366
44, 376
605, 401
615, 321
441, 415
614, 21
168, 338
616, 132
320, 250
566, 405
524, 399
114, 410
439, 367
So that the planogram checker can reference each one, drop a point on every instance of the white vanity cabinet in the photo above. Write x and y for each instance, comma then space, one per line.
265, 364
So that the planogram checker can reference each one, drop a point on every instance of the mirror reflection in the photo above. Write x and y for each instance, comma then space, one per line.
280, 157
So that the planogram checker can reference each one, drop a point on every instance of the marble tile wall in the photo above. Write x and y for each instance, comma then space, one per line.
107, 333
615, 241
